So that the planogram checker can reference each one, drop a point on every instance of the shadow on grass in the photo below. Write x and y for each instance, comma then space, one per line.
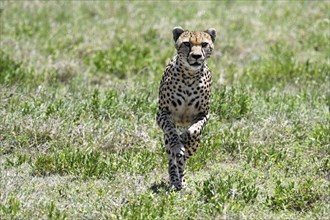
159, 187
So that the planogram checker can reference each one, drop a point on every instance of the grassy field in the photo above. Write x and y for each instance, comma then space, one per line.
78, 99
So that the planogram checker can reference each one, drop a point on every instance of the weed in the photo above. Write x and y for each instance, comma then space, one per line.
281, 70
54, 213
12, 71
299, 197
228, 193
91, 163
76, 162
164, 205
18, 160
320, 136
230, 103
11, 208
122, 61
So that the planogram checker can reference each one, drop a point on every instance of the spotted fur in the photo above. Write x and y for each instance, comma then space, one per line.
184, 99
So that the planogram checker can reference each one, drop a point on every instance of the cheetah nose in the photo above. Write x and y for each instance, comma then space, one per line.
196, 56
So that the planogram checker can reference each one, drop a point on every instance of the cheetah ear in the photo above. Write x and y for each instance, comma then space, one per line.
212, 33
177, 31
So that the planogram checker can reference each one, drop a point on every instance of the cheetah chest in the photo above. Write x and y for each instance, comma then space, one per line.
188, 100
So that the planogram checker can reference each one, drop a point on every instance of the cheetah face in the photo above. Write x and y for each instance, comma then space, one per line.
194, 48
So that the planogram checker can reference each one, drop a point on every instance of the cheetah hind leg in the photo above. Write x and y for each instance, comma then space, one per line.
176, 167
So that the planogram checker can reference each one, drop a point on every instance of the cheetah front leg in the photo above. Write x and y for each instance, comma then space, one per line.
192, 136
174, 148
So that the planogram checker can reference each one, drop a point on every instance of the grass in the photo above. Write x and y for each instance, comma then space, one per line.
78, 99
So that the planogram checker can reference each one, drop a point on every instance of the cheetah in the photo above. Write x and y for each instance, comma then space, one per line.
184, 99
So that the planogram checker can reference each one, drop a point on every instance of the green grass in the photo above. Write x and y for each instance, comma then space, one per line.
78, 99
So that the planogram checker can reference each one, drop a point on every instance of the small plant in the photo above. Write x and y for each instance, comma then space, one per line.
231, 192
90, 163
234, 140
54, 212
144, 208
72, 161
230, 103
163, 205
18, 160
293, 196
123, 60
10, 209
264, 156
320, 135
11, 71
282, 69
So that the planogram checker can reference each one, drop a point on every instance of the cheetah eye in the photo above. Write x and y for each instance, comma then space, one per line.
204, 44
187, 44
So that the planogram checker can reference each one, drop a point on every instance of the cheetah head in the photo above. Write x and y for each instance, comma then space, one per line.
194, 48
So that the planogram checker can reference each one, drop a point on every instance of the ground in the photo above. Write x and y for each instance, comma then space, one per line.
78, 99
